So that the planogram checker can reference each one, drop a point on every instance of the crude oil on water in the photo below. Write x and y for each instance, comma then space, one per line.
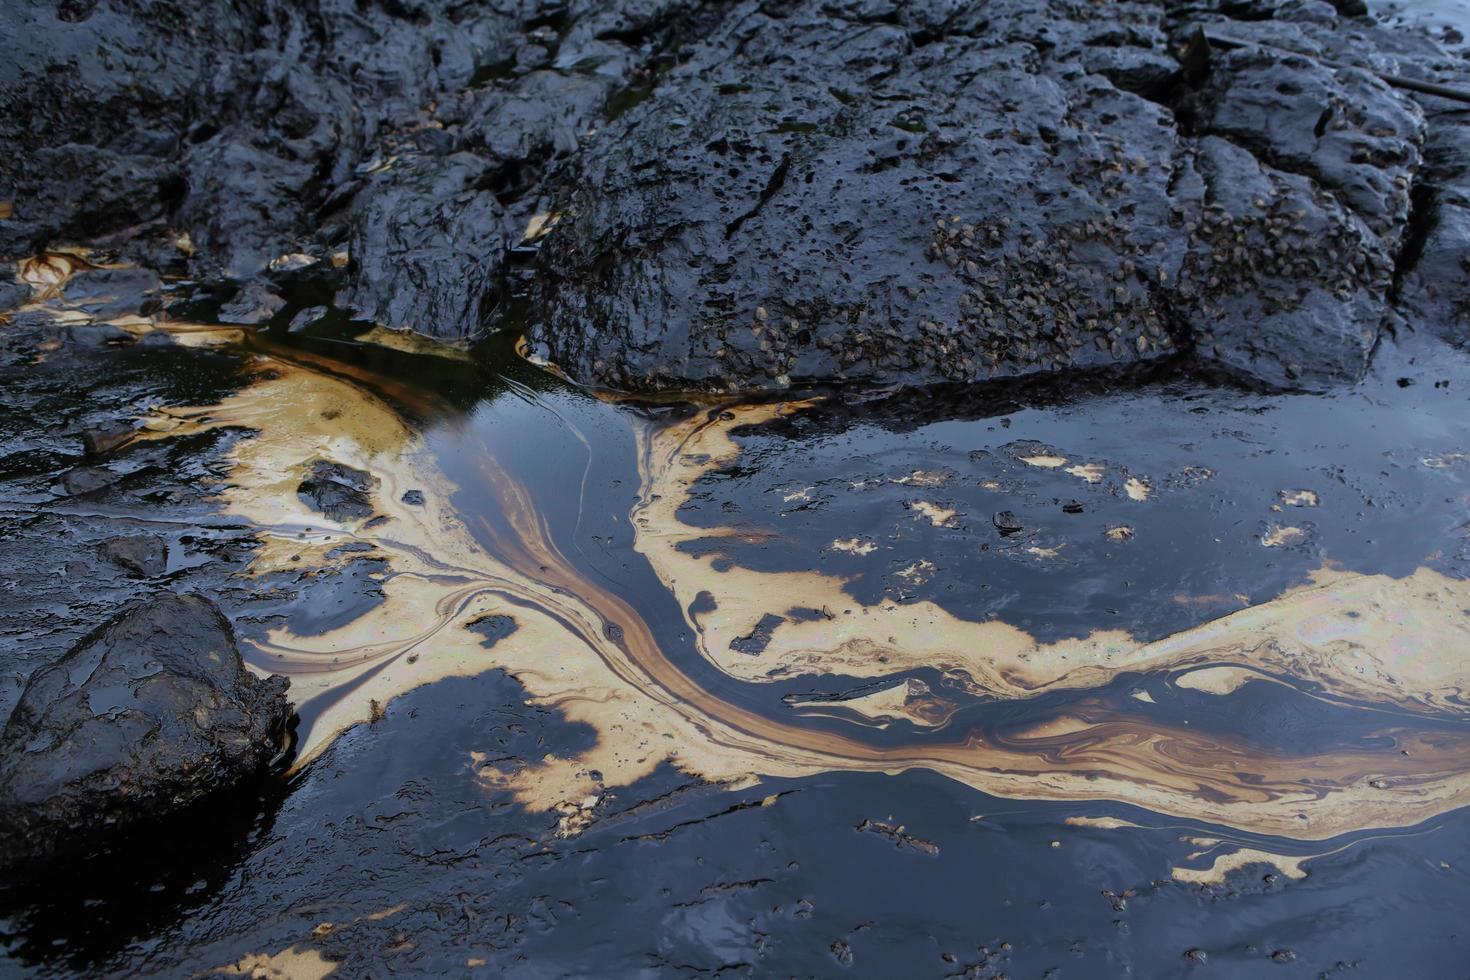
1123, 673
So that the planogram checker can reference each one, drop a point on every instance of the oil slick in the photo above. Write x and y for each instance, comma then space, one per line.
1356, 638
1225, 858
910, 700
292, 963
586, 650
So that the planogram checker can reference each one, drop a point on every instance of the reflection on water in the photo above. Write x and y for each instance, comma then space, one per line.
1222, 626
1272, 647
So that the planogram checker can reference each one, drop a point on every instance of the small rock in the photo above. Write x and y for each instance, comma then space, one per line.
414, 498
85, 479
144, 556
106, 437
107, 293
306, 318
1007, 523
96, 335
338, 491
252, 305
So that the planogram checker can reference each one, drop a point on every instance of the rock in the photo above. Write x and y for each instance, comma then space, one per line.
105, 438
243, 208
959, 218
1359, 139
253, 305
13, 294
85, 479
233, 137
306, 318
824, 190
96, 335
151, 712
998, 200
1438, 287
1007, 523
142, 556
340, 492
414, 498
427, 248
1279, 283
105, 293
1433, 272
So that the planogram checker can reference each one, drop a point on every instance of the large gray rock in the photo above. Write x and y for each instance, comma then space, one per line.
746, 194
212, 139
427, 247
151, 712
933, 192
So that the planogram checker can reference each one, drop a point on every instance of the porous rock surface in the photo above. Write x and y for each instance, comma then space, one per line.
742, 195
954, 192
152, 711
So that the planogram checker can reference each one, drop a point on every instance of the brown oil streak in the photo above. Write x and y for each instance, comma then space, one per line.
646, 710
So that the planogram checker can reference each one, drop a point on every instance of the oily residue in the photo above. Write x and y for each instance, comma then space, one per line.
1383, 644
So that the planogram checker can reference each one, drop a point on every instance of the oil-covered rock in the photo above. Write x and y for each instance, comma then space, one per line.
151, 712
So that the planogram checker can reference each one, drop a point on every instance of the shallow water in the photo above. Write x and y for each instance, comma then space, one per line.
1121, 673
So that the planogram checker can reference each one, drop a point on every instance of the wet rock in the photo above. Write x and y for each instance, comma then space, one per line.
1433, 273
235, 137
997, 201
106, 437
819, 190
253, 305
85, 479
1359, 139
427, 246
95, 335
13, 294
152, 711
142, 556
244, 206
414, 498
306, 318
873, 211
107, 293
1007, 523
1438, 288
340, 492
1279, 282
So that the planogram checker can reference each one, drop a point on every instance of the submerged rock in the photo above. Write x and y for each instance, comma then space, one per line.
85, 479
149, 713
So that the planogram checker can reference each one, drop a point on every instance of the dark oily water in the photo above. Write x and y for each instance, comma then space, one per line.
1116, 674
